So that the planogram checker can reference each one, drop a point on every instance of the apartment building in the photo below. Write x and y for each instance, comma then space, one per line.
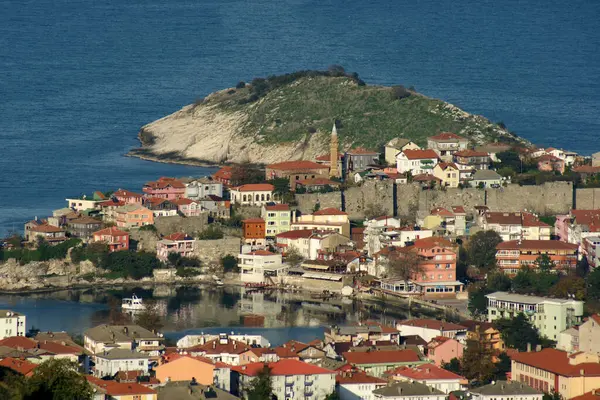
550, 316
277, 218
257, 266
513, 254
311, 244
591, 250
356, 384
446, 144
430, 375
506, 390
515, 225
327, 219
178, 242
589, 333
12, 324
416, 161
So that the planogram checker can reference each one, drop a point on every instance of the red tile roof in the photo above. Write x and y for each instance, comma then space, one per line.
471, 153
444, 165
433, 241
458, 210
261, 253
548, 157
298, 234
420, 154
433, 324
586, 217
164, 182
360, 150
223, 173
112, 231
278, 207
282, 367
255, 187
446, 136
58, 348
425, 178
329, 211
126, 193
356, 377
215, 347
536, 245
302, 165
45, 228
442, 212
111, 203
23, 367
183, 201
586, 169
178, 236
557, 362
593, 395
114, 388
18, 342
327, 157
423, 372
380, 357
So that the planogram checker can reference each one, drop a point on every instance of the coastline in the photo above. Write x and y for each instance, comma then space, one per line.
142, 155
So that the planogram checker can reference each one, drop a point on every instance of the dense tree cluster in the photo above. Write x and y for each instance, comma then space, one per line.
43, 252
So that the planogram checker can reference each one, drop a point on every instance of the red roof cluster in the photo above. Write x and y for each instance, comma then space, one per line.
446, 136
114, 388
111, 231
122, 193
536, 245
433, 324
355, 377
178, 236
557, 362
423, 372
165, 182
297, 234
329, 211
20, 366
282, 367
381, 357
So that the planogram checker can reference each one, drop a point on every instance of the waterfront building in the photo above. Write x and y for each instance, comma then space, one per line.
253, 194
164, 188
408, 391
290, 379
429, 374
296, 171
277, 218
549, 315
133, 216
12, 324
51, 234
223, 175
446, 144
514, 254
83, 203
327, 219
356, 384
365, 332
116, 239
506, 390
179, 243
108, 210
550, 370
395, 146
417, 162
310, 244
260, 265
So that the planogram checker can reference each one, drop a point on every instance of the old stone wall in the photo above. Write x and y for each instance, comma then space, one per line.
248, 211
189, 225
211, 251
587, 199
370, 193
306, 202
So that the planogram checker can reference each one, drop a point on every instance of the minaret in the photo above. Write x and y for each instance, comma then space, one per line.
334, 171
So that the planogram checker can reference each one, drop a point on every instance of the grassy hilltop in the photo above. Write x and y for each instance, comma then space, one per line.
293, 114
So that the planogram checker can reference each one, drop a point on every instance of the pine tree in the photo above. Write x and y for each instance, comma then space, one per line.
261, 387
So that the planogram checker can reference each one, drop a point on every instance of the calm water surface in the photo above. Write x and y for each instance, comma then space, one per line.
187, 310
78, 78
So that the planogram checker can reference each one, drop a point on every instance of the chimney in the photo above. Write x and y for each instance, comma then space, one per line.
538, 347
582, 372
528, 347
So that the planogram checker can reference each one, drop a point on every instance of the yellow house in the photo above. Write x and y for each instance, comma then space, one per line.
395, 146
549, 370
448, 173
432, 221
486, 333
328, 219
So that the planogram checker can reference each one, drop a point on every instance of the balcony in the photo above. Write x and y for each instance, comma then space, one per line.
289, 383
309, 383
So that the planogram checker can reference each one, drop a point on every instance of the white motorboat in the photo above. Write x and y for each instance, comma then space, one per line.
133, 304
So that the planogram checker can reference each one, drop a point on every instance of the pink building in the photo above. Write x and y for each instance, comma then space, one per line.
187, 207
128, 197
165, 188
116, 239
550, 163
561, 227
175, 243
442, 349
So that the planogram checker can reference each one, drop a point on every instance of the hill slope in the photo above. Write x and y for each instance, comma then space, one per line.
275, 120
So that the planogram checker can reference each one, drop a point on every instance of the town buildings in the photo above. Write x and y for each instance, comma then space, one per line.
310, 244
51, 234
223, 175
472, 160
430, 375
408, 391
165, 188
133, 216
429, 329
376, 363
128, 337
327, 219
296, 171
416, 161
188, 207
549, 370
446, 144
83, 227
395, 146
516, 225
549, 315
179, 243
196, 189
514, 254
254, 231
448, 173
184, 368
109, 362
277, 219
442, 349
290, 379
550, 163
588, 336
12, 324
486, 178
115, 239
260, 265
128, 197
356, 384
161, 207
506, 390
254, 194
359, 159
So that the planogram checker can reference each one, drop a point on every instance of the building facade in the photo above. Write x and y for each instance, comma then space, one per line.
416, 161
446, 144
277, 219
255, 194
12, 324
116, 239
513, 254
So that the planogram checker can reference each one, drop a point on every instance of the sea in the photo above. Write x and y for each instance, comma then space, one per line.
78, 78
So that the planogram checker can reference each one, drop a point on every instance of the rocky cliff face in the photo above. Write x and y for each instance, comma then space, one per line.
294, 120
39, 275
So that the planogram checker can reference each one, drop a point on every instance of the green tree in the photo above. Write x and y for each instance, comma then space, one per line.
174, 258
554, 395
127, 264
503, 366
462, 263
477, 301
453, 366
211, 233
482, 249
293, 256
58, 379
517, 332
261, 387
498, 282
593, 281
544, 263
229, 263
281, 186
476, 362
583, 267
570, 285
12, 385
333, 396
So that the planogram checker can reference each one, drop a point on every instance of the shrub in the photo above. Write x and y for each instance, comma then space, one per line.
149, 228
229, 263
211, 233
400, 92
188, 272
240, 85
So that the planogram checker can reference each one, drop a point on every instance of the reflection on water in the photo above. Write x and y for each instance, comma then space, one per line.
192, 309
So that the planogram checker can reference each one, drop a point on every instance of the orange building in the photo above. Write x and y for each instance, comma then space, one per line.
133, 216
254, 231
115, 239
514, 254
296, 171
184, 368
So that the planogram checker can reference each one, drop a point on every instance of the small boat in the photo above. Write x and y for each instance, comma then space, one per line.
133, 304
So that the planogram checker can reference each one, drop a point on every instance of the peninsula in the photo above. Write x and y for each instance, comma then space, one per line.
289, 117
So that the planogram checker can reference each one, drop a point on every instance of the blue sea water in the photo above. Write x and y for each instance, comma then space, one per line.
78, 78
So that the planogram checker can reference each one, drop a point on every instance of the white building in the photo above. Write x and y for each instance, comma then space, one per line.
195, 340
589, 332
253, 194
568, 340
430, 375
409, 391
591, 250
290, 379
356, 384
128, 337
428, 329
445, 144
309, 243
110, 362
82, 204
506, 390
549, 315
516, 225
416, 161
200, 188
395, 146
257, 266
12, 324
